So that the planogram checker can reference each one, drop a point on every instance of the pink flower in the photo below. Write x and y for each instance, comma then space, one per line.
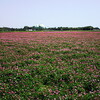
80, 95
11, 92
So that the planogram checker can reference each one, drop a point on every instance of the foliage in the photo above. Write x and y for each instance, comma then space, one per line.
40, 28
51, 66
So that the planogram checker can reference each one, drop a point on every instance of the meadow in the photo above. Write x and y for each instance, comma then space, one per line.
59, 65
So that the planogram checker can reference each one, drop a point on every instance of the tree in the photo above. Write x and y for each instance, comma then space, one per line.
88, 28
26, 28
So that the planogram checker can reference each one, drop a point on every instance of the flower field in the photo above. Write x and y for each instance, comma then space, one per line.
59, 65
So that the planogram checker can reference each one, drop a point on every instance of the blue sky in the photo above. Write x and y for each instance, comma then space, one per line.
51, 13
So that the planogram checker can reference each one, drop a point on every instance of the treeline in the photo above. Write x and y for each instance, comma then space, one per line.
75, 28
26, 28
40, 28
5, 29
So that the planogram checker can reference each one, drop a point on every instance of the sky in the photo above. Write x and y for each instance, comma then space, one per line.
50, 13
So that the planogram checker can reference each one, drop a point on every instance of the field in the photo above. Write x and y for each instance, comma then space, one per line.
50, 65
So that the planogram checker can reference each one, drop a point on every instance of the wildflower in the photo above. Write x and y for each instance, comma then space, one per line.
11, 92
80, 95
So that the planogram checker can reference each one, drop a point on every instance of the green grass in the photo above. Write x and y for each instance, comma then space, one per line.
38, 71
